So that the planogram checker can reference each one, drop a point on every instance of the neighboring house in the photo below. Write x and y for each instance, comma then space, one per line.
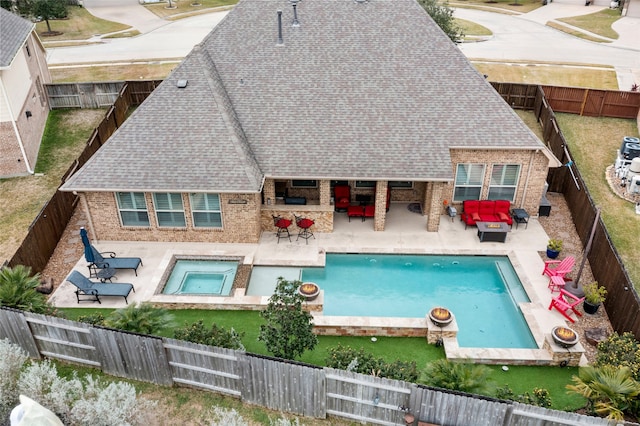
368, 93
23, 103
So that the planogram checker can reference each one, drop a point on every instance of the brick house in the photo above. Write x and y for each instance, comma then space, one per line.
24, 106
283, 101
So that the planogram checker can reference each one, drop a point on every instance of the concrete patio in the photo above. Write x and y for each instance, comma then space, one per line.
404, 233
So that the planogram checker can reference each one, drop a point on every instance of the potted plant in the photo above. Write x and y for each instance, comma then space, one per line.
554, 247
594, 295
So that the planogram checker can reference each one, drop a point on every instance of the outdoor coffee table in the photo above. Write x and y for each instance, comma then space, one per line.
520, 216
492, 231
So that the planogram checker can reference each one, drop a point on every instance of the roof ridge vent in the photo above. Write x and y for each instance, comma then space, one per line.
280, 42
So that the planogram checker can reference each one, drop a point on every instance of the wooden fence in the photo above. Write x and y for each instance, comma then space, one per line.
47, 228
622, 302
302, 389
574, 100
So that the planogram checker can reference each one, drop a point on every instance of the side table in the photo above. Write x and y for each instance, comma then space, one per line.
520, 216
103, 274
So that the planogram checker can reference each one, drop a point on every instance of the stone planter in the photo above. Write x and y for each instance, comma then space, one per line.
309, 290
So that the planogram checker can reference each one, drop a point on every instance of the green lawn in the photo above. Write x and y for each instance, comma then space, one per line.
520, 378
79, 25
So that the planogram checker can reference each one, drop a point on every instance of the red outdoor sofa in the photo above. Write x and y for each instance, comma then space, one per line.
485, 211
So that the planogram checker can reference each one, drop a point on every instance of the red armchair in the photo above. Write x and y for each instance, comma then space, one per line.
486, 211
342, 197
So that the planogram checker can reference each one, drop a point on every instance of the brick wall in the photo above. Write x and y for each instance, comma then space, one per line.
241, 222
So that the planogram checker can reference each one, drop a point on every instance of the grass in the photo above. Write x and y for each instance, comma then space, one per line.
593, 143
22, 198
500, 6
575, 33
108, 72
520, 378
549, 74
597, 23
185, 8
471, 29
80, 25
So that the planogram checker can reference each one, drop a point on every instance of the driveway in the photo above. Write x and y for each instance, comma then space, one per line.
129, 12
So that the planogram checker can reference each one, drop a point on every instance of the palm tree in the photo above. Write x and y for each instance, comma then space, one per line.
18, 290
610, 390
143, 318
470, 378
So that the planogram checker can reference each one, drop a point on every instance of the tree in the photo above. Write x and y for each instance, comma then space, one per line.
443, 16
18, 290
143, 318
49, 9
288, 331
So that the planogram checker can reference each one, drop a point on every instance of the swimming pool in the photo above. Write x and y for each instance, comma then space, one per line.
482, 291
201, 277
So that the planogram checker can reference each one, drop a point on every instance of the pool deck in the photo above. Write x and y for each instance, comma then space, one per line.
404, 233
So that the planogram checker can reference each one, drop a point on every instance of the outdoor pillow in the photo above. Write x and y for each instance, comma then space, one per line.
475, 217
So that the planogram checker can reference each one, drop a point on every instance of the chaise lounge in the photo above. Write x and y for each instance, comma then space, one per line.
112, 261
485, 211
86, 287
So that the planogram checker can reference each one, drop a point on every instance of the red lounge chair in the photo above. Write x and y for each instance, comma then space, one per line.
342, 197
565, 302
561, 267
355, 211
369, 211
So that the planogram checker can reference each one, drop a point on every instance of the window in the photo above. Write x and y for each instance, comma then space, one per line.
338, 182
469, 179
365, 184
133, 208
504, 181
304, 184
206, 210
401, 184
169, 209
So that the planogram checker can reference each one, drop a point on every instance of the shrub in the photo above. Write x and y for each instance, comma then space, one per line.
141, 318
620, 350
18, 290
284, 422
610, 390
84, 402
227, 417
361, 361
96, 318
540, 397
40, 382
12, 358
470, 378
215, 336
112, 404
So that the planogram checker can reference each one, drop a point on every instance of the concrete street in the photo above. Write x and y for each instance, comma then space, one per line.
515, 38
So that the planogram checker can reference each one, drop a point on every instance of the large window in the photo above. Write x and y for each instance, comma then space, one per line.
404, 184
169, 209
365, 184
504, 181
469, 179
304, 184
206, 210
133, 208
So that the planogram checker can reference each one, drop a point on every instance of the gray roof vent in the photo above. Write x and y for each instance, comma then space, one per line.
181, 84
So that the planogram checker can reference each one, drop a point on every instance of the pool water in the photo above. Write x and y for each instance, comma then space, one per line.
201, 277
481, 291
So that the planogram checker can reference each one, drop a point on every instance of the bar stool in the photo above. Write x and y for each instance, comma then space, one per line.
283, 227
304, 224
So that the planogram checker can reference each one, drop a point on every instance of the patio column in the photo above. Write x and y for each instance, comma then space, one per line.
381, 205
325, 192
269, 191
434, 204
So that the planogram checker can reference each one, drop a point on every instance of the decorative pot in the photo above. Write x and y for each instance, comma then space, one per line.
309, 290
564, 336
552, 254
440, 316
590, 308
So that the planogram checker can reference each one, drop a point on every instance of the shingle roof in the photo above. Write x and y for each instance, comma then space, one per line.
14, 30
359, 90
